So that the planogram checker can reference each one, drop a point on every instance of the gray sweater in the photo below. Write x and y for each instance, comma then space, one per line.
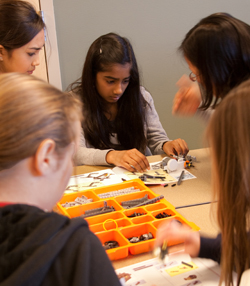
153, 129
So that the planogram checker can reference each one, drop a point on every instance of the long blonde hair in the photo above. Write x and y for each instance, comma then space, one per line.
229, 135
31, 110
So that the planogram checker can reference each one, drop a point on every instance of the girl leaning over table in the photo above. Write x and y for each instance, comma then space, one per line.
121, 124
217, 51
228, 134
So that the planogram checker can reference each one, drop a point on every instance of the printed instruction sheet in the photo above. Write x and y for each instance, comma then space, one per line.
154, 272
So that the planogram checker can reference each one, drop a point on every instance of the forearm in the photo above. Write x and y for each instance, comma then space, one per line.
88, 155
210, 248
91, 156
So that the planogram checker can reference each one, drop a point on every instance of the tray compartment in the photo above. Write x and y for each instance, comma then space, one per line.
123, 222
130, 212
138, 230
137, 183
168, 212
142, 219
80, 210
135, 196
114, 253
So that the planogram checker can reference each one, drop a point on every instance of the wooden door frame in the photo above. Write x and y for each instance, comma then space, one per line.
51, 47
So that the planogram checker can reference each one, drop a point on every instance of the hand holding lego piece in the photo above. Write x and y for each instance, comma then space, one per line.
188, 97
175, 147
132, 160
174, 231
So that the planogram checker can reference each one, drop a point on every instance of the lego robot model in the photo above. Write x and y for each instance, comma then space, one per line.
175, 163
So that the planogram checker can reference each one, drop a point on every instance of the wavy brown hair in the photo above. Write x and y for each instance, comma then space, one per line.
229, 136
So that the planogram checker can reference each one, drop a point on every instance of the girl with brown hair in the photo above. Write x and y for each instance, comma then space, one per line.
217, 52
21, 36
228, 134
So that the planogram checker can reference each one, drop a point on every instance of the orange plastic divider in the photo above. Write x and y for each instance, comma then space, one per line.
103, 217
123, 222
109, 221
118, 225
142, 219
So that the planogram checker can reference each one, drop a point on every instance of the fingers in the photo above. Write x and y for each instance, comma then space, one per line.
171, 232
177, 101
184, 81
136, 161
174, 233
184, 84
176, 147
188, 97
132, 160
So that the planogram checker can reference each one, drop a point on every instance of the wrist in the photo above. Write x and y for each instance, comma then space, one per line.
162, 146
109, 157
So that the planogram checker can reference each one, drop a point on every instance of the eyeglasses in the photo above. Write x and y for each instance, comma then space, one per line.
192, 76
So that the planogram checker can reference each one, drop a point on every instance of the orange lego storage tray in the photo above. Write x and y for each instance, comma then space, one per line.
125, 216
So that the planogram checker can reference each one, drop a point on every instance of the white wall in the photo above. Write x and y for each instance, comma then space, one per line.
155, 29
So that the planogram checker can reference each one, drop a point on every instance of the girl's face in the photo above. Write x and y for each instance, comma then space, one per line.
23, 59
112, 83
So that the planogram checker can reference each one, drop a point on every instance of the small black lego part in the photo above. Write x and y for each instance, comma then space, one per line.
136, 214
163, 253
110, 244
162, 215
145, 236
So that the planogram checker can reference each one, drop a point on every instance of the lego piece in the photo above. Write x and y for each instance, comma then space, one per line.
162, 215
181, 177
134, 202
169, 164
77, 202
146, 236
110, 244
118, 192
136, 214
189, 265
150, 201
98, 211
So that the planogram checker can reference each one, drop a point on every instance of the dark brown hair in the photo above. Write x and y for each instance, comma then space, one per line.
105, 51
19, 23
218, 46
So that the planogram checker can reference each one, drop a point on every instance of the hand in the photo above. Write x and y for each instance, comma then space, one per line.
132, 160
177, 146
173, 231
188, 97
